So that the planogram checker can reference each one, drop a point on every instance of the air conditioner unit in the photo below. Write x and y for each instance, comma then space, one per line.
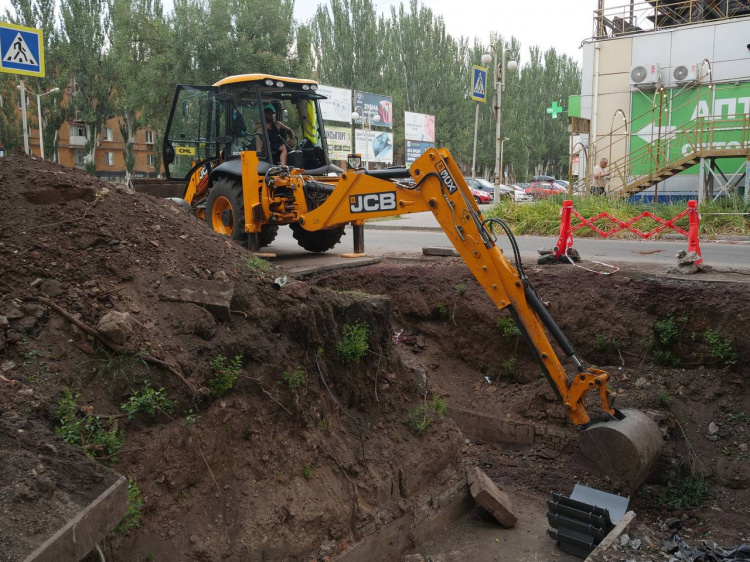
685, 73
645, 76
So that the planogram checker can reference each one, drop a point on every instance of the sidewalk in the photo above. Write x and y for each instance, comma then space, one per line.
414, 221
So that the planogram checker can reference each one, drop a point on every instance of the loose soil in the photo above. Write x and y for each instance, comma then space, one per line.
270, 472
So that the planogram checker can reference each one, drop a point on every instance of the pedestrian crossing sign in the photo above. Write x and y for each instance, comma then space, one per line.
479, 83
21, 50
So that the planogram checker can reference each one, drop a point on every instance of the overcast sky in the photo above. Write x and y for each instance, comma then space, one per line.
547, 23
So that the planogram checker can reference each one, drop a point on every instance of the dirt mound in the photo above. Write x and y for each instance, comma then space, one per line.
272, 469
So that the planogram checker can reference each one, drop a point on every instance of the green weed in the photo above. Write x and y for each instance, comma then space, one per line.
225, 373
295, 379
147, 402
443, 311
119, 365
419, 420
508, 327
508, 369
132, 519
323, 424
461, 288
439, 406
721, 348
601, 342
86, 430
667, 331
737, 418
354, 343
191, 418
308, 472
688, 493
664, 397
662, 356
246, 432
258, 265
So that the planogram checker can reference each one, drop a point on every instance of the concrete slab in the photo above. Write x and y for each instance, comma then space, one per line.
490, 497
214, 296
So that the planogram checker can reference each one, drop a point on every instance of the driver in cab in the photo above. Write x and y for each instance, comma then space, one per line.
276, 133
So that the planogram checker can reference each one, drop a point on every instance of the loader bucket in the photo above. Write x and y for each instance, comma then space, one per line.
625, 450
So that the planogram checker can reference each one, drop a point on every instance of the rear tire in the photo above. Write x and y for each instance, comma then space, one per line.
225, 209
268, 234
318, 240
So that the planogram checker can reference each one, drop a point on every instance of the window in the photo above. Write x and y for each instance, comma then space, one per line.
150, 160
110, 158
107, 133
77, 130
149, 136
79, 156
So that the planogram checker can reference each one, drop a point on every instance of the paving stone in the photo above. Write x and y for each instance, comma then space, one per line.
490, 497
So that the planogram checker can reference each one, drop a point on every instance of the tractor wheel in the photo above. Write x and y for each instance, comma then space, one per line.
225, 210
268, 234
318, 240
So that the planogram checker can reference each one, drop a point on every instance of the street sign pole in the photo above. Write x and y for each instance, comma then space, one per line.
23, 118
476, 134
478, 94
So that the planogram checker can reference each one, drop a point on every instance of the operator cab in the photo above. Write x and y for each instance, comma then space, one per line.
278, 118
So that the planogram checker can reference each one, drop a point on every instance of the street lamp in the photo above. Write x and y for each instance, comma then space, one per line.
367, 120
499, 87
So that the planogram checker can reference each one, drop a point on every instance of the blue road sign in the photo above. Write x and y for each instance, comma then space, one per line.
21, 50
479, 83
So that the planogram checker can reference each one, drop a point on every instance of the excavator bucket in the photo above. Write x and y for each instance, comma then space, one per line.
624, 449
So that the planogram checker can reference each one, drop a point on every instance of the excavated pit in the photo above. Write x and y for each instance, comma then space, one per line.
334, 467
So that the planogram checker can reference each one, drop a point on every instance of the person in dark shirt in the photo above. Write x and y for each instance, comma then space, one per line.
277, 132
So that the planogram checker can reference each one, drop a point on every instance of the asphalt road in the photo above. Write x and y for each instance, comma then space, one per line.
409, 235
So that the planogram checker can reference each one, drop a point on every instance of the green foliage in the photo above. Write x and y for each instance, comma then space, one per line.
147, 402
246, 432
296, 378
667, 331
258, 265
308, 472
354, 343
439, 406
419, 420
191, 418
601, 342
120, 365
662, 356
664, 397
688, 493
323, 424
86, 430
132, 519
443, 311
740, 417
721, 348
508, 369
508, 327
225, 373
461, 288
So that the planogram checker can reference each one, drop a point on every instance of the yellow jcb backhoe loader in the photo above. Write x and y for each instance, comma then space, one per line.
226, 144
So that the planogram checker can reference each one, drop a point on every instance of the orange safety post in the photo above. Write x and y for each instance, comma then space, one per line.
694, 219
565, 240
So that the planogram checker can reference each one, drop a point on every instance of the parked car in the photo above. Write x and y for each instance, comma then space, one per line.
562, 183
487, 187
519, 192
481, 197
540, 189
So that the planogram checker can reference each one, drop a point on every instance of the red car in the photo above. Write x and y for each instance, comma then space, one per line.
540, 189
481, 197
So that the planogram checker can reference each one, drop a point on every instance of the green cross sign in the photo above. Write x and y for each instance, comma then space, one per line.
554, 109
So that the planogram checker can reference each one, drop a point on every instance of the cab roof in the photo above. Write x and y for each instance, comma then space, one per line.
260, 78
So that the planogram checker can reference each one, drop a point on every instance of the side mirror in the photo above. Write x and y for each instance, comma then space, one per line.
168, 155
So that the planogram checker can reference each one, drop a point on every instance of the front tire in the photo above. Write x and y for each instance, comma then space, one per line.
225, 209
318, 240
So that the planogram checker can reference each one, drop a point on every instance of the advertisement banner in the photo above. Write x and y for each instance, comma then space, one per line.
338, 106
339, 142
369, 105
378, 149
419, 127
415, 149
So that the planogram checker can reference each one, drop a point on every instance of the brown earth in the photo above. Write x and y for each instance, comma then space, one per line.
269, 472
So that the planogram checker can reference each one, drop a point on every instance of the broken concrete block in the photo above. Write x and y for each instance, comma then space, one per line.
490, 497
297, 290
214, 296
115, 326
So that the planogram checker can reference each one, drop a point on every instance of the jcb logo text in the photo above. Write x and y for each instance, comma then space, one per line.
371, 202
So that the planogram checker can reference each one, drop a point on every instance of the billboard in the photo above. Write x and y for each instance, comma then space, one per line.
339, 140
369, 105
338, 106
378, 149
415, 149
419, 127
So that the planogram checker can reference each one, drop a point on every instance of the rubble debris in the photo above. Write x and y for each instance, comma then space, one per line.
214, 296
686, 264
490, 497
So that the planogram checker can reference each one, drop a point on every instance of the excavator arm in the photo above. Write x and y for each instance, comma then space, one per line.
626, 443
